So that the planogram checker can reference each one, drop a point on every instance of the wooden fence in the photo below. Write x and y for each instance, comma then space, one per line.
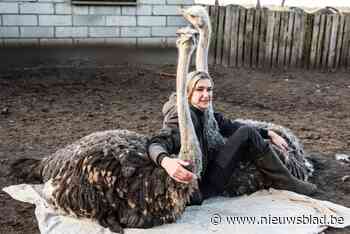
265, 38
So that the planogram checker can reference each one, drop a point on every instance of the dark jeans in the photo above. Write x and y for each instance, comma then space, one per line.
245, 144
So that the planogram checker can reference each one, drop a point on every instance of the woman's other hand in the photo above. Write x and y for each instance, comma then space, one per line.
279, 141
175, 169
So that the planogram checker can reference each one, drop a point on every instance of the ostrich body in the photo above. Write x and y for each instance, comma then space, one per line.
109, 177
247, 178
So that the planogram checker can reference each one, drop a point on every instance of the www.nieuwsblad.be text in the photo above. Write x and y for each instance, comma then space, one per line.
217, 219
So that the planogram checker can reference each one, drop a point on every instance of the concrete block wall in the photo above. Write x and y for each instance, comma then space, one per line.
57, 22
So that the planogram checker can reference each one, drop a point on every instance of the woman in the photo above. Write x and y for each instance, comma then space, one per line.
220, 157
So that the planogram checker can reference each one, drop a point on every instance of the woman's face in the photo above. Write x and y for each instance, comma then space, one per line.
202, 94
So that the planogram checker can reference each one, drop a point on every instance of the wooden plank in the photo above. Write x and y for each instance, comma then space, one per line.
220, 40
348, 58
346, 41
269, 38
276, 38
248, 37
214, 22
227, 36
262, 37
328, 30
305, 41
211, 42
340, 37
289, 40
320, 42
255, 47
282, 39
234, 36
308, 39
315, 34
333, 40
296, 39
242, 16
286, 43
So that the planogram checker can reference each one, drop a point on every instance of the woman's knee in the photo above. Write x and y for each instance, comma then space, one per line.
246, 130
242, 136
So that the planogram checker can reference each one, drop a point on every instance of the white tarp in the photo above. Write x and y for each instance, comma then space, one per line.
270, 212
296, 3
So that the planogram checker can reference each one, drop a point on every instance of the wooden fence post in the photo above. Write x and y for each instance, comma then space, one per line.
282, 39
289, 40
328, 31
307, 40
296, 38
220, 38
276, 38
248, 37
269, 38
213, 18
303, 27
340, 37
234, 36
346, 41
314, 40
320, 41
255, 46
241, 33
227, 36
262, 37
333, 40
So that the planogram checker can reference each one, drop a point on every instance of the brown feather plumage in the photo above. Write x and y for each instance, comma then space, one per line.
108, 176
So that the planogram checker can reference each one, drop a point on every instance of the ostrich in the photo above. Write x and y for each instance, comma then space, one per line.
107, 176
247, 179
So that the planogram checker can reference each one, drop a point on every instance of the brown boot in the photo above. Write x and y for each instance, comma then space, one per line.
271, 165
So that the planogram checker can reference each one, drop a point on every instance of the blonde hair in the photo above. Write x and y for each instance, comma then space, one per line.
192, 80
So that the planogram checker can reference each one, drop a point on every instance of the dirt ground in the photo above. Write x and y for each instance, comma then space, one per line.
46, 105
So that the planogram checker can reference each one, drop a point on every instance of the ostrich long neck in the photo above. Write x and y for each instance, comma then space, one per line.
190, 149
203, 48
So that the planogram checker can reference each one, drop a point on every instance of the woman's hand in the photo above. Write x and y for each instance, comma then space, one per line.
174, 168
279, 141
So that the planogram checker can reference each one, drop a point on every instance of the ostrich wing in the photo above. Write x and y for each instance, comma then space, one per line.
108, 176
93, 149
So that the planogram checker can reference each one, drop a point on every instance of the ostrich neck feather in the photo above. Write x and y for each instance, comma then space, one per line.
211, 128
203, 48
190, 149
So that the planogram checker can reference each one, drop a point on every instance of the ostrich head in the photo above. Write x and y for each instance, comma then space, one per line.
185, 42
198, 17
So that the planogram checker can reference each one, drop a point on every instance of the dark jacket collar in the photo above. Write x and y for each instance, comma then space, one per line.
197, 111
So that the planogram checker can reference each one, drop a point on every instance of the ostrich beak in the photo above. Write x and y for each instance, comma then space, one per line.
182, 11
190, 32
193, 19
187, 30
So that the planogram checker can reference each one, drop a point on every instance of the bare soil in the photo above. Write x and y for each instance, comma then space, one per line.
46, 105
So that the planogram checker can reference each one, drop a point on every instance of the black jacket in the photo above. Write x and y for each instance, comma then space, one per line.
168, 141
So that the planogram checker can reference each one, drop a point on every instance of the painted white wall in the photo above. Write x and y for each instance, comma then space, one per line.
299, 3
50, 22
